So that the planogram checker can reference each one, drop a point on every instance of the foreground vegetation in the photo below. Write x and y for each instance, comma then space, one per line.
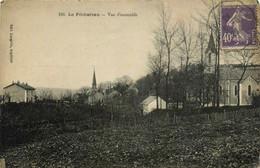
225, 144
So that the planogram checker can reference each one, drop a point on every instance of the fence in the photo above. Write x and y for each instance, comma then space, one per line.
216, 117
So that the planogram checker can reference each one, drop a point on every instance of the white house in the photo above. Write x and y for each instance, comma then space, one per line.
19, 92
150, 104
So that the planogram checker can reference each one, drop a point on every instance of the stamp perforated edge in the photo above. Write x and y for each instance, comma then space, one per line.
239, 48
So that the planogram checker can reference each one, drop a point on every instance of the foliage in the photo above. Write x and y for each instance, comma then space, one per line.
225, 144
256, 100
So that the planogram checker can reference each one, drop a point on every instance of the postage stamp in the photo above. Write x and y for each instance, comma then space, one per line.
238, 27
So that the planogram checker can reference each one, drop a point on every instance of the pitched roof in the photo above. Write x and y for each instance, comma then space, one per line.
234, 72
149, 99
22, 85
211, 44
114, 93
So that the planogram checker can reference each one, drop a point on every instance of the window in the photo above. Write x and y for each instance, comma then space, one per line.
249, 90
209, 58
220, 90
235, 90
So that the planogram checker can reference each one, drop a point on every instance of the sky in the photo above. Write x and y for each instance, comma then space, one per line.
55, 51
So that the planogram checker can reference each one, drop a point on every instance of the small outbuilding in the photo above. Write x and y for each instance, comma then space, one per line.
150, 104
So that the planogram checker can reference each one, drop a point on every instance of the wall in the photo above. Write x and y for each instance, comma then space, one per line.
17, 93
247, 99
161, 105
30, 95
229, 98
210, 66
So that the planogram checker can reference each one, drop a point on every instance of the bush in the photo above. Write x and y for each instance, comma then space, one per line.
256, 101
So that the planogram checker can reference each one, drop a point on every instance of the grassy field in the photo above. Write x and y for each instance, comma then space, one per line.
226, 144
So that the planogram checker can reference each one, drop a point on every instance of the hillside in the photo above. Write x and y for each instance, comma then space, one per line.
225, 144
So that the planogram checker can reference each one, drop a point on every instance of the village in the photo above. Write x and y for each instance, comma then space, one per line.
168, 84
238, 86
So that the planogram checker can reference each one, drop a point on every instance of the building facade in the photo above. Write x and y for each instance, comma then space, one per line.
150, 104
248, 86
229, 75
19, 92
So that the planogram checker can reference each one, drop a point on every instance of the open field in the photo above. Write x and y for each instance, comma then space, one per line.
224, 144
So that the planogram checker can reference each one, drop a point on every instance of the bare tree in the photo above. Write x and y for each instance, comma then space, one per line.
166, 33
187, 49
45, 94
157, 66
201, 35
212, 22
83, 90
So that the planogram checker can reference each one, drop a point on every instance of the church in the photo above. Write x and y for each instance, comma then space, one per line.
94, 95
229, 76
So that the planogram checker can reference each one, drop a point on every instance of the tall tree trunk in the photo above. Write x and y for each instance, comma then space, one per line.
238, 85
218, 58
157, 95
167, 77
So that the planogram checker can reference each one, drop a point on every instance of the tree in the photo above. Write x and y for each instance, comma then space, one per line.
45, 94
122, 84
103, 86
82, 94
212, 22
166, 33
157, 66
132, 96
144, 86
201, 42
187, 49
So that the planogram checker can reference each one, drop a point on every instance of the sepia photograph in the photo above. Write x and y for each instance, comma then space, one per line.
129, 83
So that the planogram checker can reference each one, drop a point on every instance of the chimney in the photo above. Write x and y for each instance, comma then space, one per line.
18, 82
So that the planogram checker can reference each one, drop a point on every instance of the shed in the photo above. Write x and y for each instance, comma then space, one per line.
150, 104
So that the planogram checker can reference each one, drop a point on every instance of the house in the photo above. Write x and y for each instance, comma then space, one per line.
248, 87
94, 95
19, 92
113, 94
150, 104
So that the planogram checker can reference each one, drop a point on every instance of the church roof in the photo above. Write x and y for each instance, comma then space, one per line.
211, 44
234, 72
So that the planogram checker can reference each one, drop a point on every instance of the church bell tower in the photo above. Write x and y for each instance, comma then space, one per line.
94, 82
210, 56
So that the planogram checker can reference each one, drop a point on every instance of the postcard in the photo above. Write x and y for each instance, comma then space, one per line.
129, 83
